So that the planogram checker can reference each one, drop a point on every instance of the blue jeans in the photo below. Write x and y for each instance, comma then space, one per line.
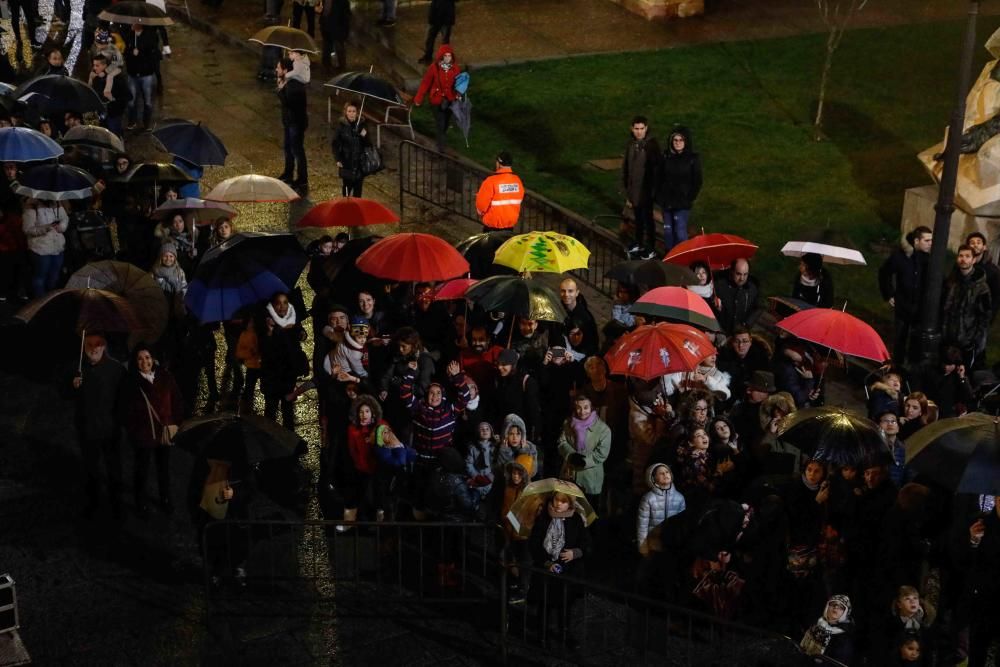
389, 10
295, 151
675, 226
45, 270
141, 87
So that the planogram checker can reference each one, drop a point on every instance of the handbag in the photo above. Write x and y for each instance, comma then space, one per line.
167, 431
371, 161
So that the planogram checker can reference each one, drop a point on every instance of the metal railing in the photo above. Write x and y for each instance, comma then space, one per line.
451, 183
595, 624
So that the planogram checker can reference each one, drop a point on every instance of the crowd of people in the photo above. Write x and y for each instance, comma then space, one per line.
443, 410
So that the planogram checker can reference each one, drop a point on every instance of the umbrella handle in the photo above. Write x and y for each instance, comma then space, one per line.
83, 337
510, 335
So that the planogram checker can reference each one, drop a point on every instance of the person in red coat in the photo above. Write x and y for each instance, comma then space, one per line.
361, 463
438, 85
152, 406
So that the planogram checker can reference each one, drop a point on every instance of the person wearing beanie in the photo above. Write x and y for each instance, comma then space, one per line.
168, 272
833, 633
499, 198
814, 285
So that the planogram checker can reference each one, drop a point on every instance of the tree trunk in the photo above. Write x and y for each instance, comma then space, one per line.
831, 47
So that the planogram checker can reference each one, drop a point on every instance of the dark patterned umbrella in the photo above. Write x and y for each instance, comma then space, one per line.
56, 94
833, 435
962, 453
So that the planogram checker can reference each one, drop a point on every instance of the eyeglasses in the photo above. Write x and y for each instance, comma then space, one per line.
699, 408
889, 421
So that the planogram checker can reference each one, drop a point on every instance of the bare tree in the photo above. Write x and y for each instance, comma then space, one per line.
837, 16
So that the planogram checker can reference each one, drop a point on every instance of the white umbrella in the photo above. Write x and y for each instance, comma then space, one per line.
252, 188
831, 253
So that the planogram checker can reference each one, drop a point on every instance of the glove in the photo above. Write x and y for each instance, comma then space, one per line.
166, 51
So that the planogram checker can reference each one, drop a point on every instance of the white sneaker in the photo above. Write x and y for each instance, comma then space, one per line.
647, 254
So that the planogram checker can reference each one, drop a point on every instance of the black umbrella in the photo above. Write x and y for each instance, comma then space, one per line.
192, 142
523, 297
56, 94
340, 264
366, 85
479, 251
154, 173
55, 182
652, 273
238, 438
833, 435
133, 12
962, 453
93, 136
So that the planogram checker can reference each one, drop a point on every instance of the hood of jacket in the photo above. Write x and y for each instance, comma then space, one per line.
684, 132
525, 464
443, 49
781, 399
371, 402
513, 420
651, 482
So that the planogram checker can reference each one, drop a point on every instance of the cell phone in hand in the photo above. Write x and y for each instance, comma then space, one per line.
557, 352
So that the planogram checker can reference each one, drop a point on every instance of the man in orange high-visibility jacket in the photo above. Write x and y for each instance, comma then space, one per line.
500, 195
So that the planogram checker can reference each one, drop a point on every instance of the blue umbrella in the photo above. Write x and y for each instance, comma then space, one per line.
55, 182
244, 270
192, 142
20, 144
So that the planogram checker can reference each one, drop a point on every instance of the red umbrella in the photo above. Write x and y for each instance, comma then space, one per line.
348, 212
657, 349
454, 289
678, 305
716, 250
413, 258
838, 331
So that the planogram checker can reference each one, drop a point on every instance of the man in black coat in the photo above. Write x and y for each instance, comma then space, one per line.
977, 241
96, 387
966, 308
142, 60
902, 279
295, 119
741, 357
578, 314
639, 178
739, 297
978, 556
516, 392
440, 19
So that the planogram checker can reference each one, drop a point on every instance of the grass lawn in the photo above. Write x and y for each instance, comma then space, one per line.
749, 106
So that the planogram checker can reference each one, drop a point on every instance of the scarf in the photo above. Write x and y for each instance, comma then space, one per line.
473, 403
555, 536
808, 282
445, 66
149, 377
282, 321
580, 426
818, 637
704, 291
913, 623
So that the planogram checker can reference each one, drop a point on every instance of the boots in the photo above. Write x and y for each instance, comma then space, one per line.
349, 515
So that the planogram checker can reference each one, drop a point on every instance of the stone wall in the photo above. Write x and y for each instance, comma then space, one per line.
664, 9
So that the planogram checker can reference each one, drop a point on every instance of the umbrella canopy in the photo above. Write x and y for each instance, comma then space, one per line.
343, 263
526, 508
832, 254
677, 305
413, 258
230, 437
55, 182
480, 250
154, 173
244, 270
653, 350
20, 144
833, 435
252, 188
367, 85
136, 286
285, 38
546, 252
716, 250
454, 289
204, 212
56, 94
652, 273
962, 453
133, 12
526, 298
191, 142
461, 109
93, 136
348, 212
838, 331
85, 309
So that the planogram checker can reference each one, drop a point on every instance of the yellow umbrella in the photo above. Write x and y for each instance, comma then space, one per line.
546, 252
525, 509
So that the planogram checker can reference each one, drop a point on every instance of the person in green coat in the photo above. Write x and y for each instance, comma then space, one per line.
584, 445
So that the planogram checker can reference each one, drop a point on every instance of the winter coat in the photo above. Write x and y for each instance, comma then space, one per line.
37, 223
641, 170
738, 306
576, 536
293, 104
903, 276
348, 144
350, 356
656, 506
680, 180
820, 294
399, 368
115, 84
97, 399
882, 398
361, 438
438, 83
166, 401
479, 465
144, 62
966, 309
507, 454
595, 450
442, 12
512, 492
741, 369
447, 495
282, 360
517, 394
247, 349
433, 426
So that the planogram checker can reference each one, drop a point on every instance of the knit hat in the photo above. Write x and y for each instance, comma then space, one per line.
843, 601
168, 247
102, 36
507, 357
357, 321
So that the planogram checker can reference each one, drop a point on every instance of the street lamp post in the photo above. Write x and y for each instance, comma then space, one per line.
931, 320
